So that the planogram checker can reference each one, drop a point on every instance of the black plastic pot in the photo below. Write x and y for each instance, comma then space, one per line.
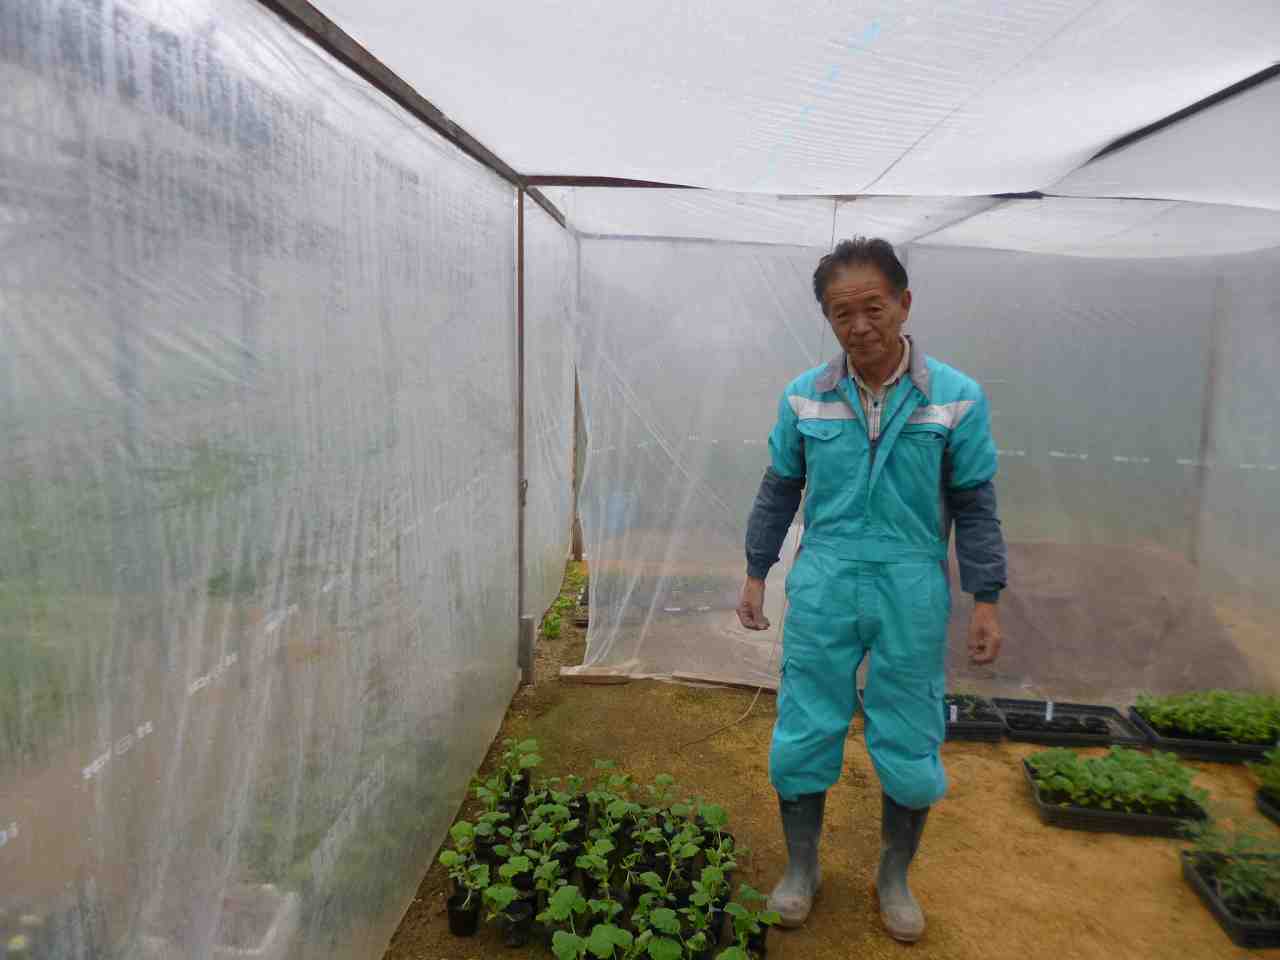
484, 850
1106, 821
523, 882
1268, 807
463, 921
715, 925
1244, 933
517, 924
1215, 751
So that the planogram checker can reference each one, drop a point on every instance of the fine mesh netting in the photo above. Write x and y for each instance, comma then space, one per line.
260, 499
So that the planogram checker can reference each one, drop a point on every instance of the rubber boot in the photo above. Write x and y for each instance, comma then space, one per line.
793, 897
900, 830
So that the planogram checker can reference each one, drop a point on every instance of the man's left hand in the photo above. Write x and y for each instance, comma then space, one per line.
984, 633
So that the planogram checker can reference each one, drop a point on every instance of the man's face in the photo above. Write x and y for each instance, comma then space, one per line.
865, 314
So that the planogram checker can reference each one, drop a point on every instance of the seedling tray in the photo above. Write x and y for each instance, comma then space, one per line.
1104, 821
983, 731
1243, 933
1119, 730
1267, 808
1212, 750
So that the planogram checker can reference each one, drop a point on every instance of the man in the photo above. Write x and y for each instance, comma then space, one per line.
892, 447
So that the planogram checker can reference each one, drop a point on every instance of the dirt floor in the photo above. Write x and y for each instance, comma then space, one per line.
994, 882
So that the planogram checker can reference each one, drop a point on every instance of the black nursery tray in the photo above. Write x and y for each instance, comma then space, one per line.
985, 731
1104, 821
1267, 808
1214, 751
1243, 933
1119, 730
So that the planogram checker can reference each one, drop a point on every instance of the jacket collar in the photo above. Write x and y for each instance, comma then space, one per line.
838, 368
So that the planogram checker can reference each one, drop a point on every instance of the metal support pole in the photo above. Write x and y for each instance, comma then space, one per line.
525, 633
1208, 402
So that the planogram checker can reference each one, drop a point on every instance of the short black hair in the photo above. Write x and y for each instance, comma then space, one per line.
858, 251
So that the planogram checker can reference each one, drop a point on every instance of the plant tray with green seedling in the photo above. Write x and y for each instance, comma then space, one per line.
1268, 774
1123, 792
1067, 724
1215, 725
971, 717
1268, 807
1205, 875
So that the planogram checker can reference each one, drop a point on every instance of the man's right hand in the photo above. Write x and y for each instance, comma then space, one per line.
751, 605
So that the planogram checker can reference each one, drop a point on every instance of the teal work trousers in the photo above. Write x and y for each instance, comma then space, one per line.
841, 611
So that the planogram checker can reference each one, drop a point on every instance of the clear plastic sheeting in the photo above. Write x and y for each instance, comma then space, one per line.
778, 96
1225, 154
1116, 228
754, 218
257, 471
550, 272
680, 381
1137, 482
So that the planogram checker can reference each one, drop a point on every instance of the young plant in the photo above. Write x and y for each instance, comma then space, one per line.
661, 790
1214, 715
517, 865
564, 909
1244, 869
519, 758
665, 941
551, 626
499, 897
595, 863
710, 889
747, 923
1268, 774
487, 826
469, 876
1124, 780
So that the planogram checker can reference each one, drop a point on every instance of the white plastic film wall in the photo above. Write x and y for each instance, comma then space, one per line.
1139, 461
550, 271
257, 473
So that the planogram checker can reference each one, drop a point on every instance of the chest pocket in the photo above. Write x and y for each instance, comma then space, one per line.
919, 449
820, 429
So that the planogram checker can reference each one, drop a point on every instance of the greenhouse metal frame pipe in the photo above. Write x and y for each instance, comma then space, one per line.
309, 21
524, 635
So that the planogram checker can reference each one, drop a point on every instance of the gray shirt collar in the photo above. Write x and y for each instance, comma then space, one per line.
838, 368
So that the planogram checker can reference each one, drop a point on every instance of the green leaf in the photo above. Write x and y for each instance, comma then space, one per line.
565, 902
501, 896
733, 953
660, 948
450, 858
567, 946
665, 920
605, 937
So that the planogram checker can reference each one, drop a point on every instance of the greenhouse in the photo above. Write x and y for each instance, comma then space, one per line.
385, 395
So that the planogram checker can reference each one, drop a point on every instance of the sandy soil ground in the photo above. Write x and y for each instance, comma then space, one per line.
994, 881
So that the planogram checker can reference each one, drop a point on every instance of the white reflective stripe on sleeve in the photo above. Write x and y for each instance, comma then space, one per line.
946, 415
807, 409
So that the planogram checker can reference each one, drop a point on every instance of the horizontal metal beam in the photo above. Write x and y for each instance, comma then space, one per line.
1143, 132
555, 180
335, 41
